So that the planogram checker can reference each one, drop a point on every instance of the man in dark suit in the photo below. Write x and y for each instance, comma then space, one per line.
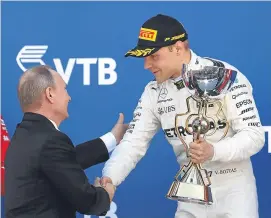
44, 171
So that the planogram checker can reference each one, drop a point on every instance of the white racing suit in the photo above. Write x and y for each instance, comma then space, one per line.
232, 180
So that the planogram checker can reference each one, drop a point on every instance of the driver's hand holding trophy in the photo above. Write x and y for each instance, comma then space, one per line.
208, 86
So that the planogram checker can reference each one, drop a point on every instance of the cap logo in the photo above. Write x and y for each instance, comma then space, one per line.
140, 52
175, 37
148, 34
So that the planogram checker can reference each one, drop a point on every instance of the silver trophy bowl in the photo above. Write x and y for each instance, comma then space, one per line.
208, 82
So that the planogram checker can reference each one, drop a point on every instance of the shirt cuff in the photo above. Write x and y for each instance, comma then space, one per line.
109, 141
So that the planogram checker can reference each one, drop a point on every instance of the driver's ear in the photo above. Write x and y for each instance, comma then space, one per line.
179, 46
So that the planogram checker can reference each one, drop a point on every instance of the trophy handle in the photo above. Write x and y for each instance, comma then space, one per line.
212, 119
176, 125
220, 107
227, 122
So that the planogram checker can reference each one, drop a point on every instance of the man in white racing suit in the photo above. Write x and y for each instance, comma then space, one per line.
163, 43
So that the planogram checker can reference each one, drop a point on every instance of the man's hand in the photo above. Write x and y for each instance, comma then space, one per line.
108, 186
119, 129
97, 182
201, 151
104, 180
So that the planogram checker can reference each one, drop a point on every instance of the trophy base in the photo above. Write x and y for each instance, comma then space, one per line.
191, 193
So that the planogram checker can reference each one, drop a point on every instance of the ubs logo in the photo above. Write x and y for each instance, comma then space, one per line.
168, 109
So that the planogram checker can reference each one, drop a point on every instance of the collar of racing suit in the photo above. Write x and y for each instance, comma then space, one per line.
194, 60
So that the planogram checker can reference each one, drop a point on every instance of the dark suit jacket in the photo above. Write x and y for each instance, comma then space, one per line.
45, 173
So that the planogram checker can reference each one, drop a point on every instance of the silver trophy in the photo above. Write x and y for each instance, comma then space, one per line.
207, 85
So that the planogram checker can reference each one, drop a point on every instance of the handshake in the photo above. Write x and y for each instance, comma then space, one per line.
106, 183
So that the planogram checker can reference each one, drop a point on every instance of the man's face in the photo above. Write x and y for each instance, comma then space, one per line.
162, 64
61, 97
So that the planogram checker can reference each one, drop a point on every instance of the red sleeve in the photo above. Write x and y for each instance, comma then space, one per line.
4, 145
